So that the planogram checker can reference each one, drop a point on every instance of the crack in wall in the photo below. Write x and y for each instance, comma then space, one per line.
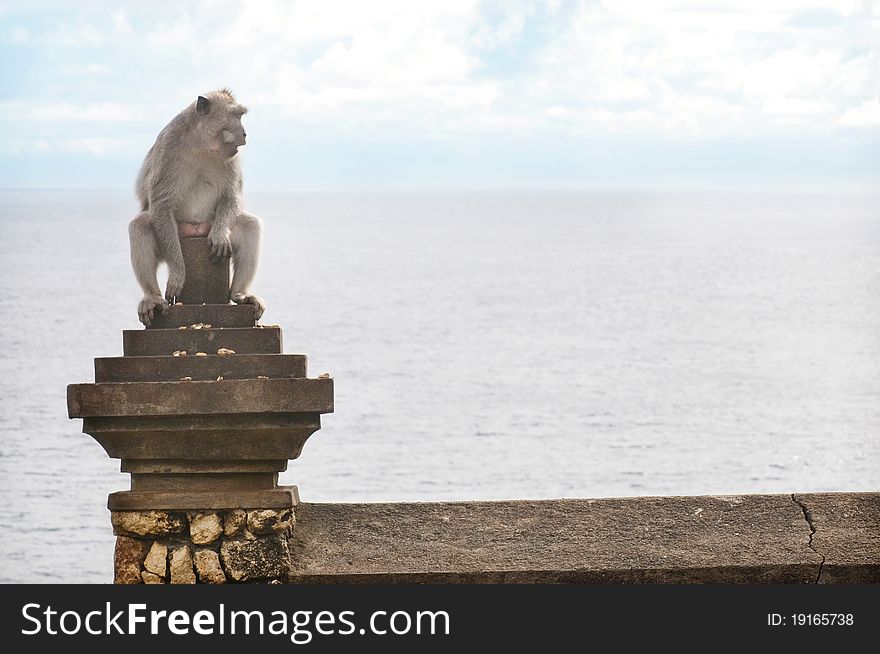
808, 516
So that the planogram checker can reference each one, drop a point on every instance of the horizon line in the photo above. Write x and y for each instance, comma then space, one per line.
636, 188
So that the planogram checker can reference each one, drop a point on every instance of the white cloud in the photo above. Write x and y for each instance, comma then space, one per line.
673, 68
120, 22
19, 35
63, 111
866, 114
780, 105
94, 146
726, 68
87, 69
78, 35
558, 111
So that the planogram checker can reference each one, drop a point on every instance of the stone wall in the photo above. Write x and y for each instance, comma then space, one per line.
809, 538
208, 547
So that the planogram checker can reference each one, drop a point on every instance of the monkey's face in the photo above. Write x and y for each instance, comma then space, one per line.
232, 136
220, 122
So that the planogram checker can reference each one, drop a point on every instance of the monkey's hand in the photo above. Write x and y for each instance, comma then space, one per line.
149, 306
247, 298
221, 246
175, 282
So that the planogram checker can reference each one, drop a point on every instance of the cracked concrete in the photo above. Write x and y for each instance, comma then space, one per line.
705, 539
845, 531
808, 516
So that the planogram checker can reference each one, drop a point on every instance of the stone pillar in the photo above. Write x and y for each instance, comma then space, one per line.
204, 411
207, 279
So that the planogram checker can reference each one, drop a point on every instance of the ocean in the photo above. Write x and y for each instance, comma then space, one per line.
484, 345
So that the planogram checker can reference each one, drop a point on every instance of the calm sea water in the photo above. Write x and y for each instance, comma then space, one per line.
484, 345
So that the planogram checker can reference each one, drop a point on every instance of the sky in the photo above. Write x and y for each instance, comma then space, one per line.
455, 94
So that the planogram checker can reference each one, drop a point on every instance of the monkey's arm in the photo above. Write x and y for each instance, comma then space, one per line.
227, 210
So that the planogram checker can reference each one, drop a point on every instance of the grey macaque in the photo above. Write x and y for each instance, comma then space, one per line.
190, 185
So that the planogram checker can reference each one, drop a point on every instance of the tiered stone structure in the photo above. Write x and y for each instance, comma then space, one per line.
204, 411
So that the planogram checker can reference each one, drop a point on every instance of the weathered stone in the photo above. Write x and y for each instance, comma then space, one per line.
208, 500
157, 559
217, 315
207, 277
150, 578
146, 523
844, 531
208, 567
162, 342
219, 482
127, 559
216, 437
234, 521
267, 521
173, 398
182, 567
168, 466
265, 557
737, 539
166, 368
204, 528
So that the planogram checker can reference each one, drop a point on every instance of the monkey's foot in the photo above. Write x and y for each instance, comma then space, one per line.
149, 306
174, 285
247, 298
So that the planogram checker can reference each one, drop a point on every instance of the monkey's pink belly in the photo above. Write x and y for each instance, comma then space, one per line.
191, 230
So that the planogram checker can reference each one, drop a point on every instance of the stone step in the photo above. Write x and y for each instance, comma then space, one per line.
239, 396
216, 315
283, 497
204, 443
208, 368
159, 342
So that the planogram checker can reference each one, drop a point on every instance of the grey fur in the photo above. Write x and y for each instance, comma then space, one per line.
192, 175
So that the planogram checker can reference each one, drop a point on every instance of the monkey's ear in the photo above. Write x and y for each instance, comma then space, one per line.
203, 105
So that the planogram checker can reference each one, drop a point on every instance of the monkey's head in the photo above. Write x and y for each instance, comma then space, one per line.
219, 120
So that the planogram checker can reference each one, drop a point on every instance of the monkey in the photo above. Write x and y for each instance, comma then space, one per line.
190, 184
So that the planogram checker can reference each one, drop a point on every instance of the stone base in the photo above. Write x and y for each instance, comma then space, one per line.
209, 547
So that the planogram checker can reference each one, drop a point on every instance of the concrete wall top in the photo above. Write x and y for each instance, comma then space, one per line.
732, 539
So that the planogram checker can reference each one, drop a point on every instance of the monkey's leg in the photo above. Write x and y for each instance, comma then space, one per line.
144, 262
245, 237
